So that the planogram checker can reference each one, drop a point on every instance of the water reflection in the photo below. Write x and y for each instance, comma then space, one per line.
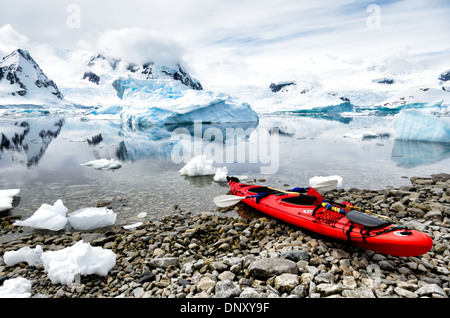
28, 139
411, 153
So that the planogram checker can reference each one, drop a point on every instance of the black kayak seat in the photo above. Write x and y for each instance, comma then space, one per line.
366, 220
260, 190
300, 200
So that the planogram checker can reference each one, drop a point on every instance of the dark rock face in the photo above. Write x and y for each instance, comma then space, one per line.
147, 70
385, 80
182, 76
92, 77
276, 87
445, 76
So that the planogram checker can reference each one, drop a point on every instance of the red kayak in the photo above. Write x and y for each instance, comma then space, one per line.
337, 220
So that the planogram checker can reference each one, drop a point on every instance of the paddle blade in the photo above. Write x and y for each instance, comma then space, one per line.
325, 186
227, 200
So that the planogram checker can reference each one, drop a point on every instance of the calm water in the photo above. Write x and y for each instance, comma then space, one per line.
44, 157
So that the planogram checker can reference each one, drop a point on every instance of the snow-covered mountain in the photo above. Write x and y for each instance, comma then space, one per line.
363, 88
145, 71
23, 81
139, 94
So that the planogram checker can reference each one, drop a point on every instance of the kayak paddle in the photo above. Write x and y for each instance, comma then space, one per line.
229, 200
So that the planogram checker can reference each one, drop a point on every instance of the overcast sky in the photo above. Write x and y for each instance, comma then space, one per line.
235, 40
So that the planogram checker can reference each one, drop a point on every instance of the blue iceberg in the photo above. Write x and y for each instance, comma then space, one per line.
161, 101
413, 124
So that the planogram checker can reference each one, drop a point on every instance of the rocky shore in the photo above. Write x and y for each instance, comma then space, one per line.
249, 255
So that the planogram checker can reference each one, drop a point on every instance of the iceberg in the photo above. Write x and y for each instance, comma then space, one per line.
319, 179
6, 198
164, 102
91, 218
81, 258
413, 124
48, 217
104, 164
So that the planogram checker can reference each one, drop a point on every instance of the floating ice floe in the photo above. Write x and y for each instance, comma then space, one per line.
91, 218
48, 217
201, 166
81, 258
6, 198
414, 124
26, 254
18, 287
319, 179
198, 166
104, 164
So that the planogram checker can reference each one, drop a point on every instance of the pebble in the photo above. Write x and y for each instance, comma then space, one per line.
249, 255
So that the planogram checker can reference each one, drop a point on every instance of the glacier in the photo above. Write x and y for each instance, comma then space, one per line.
413, 124
161, 101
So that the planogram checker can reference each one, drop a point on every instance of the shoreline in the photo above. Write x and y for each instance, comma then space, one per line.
210, 255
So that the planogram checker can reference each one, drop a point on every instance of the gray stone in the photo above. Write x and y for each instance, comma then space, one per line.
286, 282
165, 262
268, 267
296, 256
329, 289
205, 284
429, 290
299, 290
405, 293
324, 277
227, 289
361, 292
249, 292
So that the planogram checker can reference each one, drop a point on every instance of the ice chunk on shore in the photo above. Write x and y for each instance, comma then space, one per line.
414, 124
18, 287
319, 179
81, 258
198, 166
49, 217
32, 256
132, 226
91, 218
104, 164
6, 198
221, 175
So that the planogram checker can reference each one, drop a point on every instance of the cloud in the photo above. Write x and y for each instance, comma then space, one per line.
140, 46
11, 40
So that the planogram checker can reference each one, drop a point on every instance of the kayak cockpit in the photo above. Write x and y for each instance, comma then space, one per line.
299, 200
